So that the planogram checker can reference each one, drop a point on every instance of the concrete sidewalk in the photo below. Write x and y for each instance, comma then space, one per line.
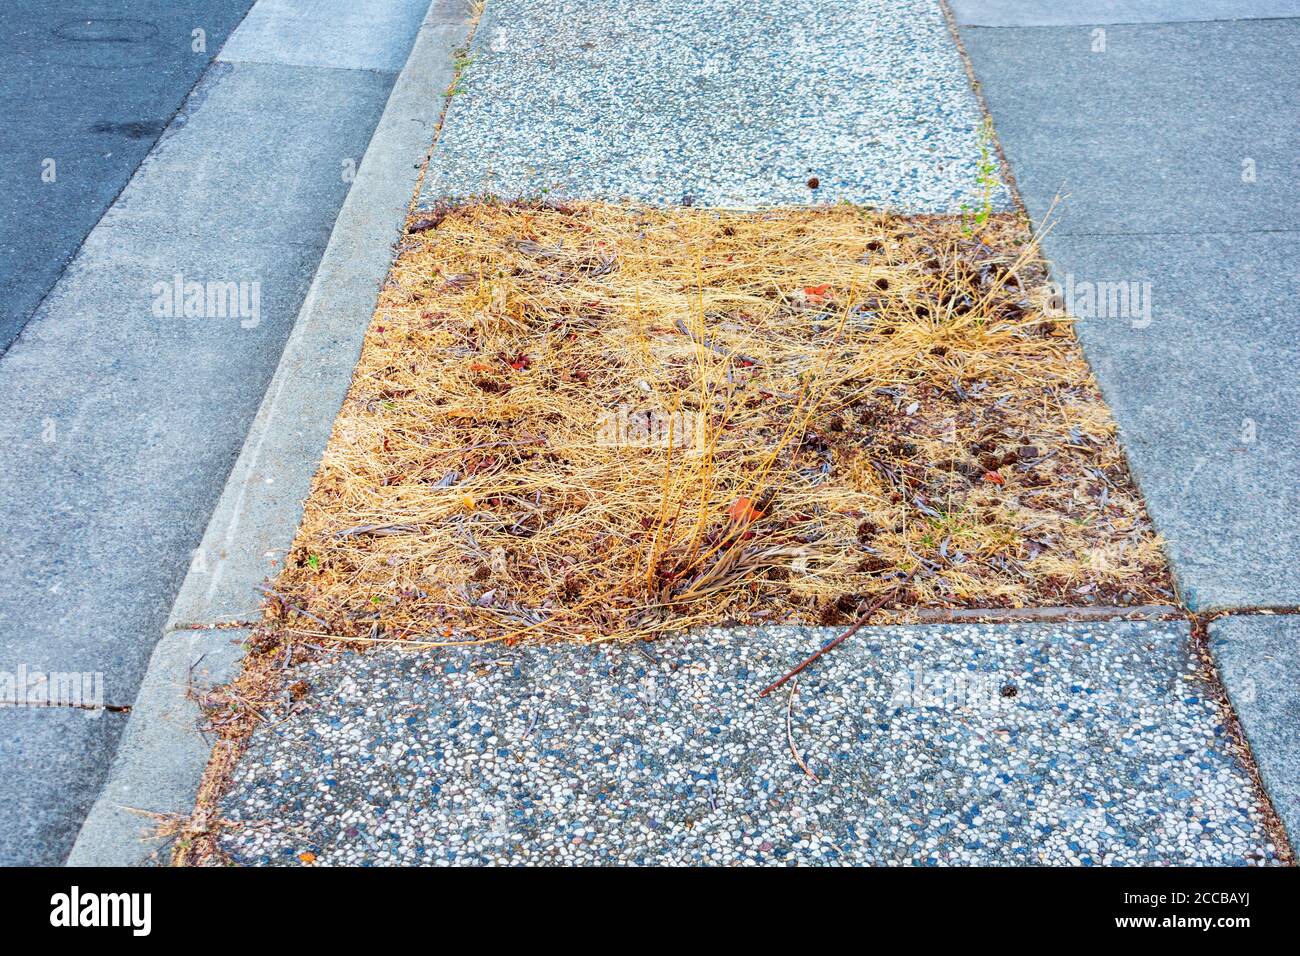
1174, 145
125, 411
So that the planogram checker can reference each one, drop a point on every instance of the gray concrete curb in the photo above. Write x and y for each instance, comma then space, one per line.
163, 753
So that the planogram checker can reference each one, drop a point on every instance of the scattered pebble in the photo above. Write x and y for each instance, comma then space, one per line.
709, 104
1109, 752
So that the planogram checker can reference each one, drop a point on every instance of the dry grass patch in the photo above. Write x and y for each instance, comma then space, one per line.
596, 422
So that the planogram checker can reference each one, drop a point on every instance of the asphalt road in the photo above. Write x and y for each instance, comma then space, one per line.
86, 89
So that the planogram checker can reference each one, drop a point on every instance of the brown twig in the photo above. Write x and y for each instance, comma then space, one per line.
876, 605
271, 592
710, 344
377, 530
789, 732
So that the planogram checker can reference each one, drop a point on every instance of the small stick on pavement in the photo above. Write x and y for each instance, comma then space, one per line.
789, 733
831, 645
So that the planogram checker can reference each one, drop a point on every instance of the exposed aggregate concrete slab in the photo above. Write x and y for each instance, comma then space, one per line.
946, 744
716, 103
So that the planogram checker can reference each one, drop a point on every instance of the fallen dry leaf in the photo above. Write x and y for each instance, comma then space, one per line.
742, 511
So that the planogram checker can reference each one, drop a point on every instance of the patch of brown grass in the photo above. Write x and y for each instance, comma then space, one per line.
594, 422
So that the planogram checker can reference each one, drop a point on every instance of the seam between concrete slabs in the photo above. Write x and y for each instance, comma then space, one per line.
1202, 640
309, 67
1005, 173
366, 228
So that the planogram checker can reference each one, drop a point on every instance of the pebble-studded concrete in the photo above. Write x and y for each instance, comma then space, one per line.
1078, 744
715, 102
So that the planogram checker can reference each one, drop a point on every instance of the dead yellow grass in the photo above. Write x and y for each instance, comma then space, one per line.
595, 422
